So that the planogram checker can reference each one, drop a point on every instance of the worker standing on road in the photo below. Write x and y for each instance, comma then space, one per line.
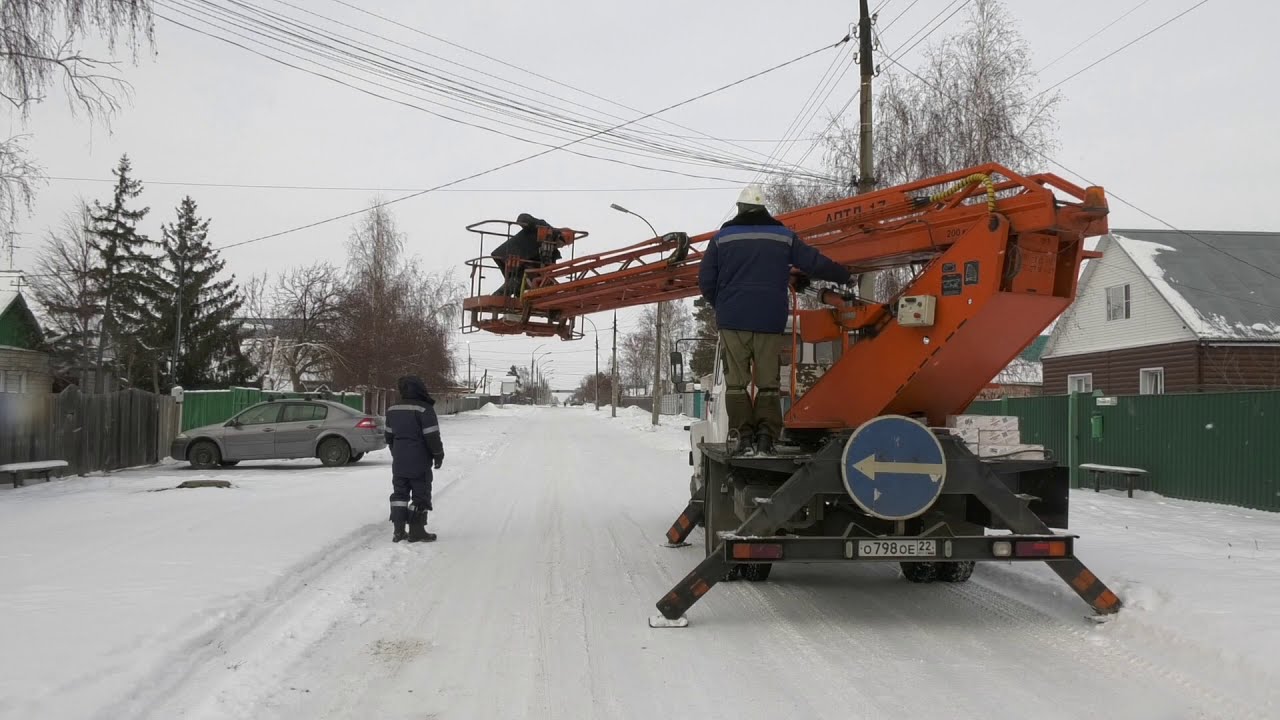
744, 274
413, 434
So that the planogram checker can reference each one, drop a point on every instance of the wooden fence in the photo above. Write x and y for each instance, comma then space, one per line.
91, 432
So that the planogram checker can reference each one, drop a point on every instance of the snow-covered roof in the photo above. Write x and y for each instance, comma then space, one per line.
1222, 284
1021, 372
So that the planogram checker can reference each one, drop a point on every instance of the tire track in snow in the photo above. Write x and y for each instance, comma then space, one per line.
355, 567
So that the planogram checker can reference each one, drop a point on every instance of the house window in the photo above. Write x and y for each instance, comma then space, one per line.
1151, 381
12, 381
1118, 302
1082, 383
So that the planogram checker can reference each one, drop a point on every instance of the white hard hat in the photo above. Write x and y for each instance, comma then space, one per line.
751, 195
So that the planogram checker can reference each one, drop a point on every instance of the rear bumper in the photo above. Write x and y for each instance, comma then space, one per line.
1004, 548
367, 443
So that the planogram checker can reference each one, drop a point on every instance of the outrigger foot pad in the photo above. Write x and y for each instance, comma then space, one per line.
662, 621
676, 545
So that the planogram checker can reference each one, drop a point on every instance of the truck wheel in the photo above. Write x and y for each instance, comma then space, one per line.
920, 572
955, 572
204, 455
754, 572
334, 452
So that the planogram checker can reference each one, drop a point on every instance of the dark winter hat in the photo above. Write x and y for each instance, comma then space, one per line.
411, 387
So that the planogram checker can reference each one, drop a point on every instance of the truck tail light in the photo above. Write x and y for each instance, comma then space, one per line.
367, 424
757, 551
1043, 548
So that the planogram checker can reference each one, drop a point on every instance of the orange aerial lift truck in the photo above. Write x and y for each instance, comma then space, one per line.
866, 470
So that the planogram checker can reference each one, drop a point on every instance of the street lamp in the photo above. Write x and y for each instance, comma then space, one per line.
621, 209
533, 366
596, 379
657, 333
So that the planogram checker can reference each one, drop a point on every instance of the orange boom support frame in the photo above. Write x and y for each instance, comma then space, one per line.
997, 257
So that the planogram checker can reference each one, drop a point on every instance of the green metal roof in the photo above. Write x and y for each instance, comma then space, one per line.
1035, 349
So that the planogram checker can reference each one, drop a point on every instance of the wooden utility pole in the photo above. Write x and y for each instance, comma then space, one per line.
866, 165
656, 395
866, 168
613, 386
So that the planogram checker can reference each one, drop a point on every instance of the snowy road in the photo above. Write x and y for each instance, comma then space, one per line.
533, 605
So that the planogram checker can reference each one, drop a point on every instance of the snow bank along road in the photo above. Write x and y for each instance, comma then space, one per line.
283, 598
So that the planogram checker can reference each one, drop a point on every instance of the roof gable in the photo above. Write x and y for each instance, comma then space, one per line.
1217, 296
1086, 326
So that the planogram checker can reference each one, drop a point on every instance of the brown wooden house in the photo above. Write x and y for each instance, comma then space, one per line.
1171, 312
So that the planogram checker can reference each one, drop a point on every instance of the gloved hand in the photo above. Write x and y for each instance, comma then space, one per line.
799, 282
438, 462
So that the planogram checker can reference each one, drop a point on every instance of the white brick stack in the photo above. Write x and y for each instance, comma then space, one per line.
993, 436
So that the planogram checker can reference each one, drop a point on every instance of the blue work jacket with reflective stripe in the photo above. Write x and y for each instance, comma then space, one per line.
746, 269
413, 434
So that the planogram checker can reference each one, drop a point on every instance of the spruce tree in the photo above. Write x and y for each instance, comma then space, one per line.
197, 311
127, 283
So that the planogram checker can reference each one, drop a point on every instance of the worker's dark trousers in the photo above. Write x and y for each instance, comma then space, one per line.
407, 491
752, 356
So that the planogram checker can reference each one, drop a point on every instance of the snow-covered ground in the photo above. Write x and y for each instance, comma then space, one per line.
282, 597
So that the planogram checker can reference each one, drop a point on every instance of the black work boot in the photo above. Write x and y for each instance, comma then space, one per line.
764, 444
399, 534
418, 530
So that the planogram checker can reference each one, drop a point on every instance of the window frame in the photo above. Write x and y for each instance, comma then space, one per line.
238, 417
313, 407
1127, 302
1144, 373
1072, 376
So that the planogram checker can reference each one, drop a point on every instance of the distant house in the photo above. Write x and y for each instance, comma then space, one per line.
1166, 311
24, 364
1024, 377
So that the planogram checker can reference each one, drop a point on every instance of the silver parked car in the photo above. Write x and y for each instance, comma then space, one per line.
282, 430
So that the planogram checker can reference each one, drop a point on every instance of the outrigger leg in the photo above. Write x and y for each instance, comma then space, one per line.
1019, 518
680, 529
785, 502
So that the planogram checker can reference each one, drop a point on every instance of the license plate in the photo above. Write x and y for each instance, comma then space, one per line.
897, 548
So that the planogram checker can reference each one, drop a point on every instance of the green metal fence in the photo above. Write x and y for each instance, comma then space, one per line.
206, 407
1214, 447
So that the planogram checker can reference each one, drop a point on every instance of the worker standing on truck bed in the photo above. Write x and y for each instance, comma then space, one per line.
413, 434
744, 275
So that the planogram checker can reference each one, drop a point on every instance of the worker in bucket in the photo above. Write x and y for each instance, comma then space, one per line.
520, 253
745, 274
413, 434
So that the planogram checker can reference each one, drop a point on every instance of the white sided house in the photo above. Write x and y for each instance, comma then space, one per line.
1166, 311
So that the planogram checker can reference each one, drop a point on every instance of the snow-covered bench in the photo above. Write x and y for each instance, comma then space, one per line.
1130, 474
40, 467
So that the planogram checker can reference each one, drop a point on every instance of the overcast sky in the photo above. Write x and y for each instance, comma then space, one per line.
1180, 124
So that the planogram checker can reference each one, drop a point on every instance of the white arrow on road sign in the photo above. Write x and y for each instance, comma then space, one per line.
871, 467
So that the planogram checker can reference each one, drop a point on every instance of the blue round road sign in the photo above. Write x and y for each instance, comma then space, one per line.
893, 467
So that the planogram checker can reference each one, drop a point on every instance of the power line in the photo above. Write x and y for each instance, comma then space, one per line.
503, 100
462, 92
899, 15
1096, 33
485, 128
537, 154
1117, 50
274, 186
1110, 193
897, 52
396, 69
531, 72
